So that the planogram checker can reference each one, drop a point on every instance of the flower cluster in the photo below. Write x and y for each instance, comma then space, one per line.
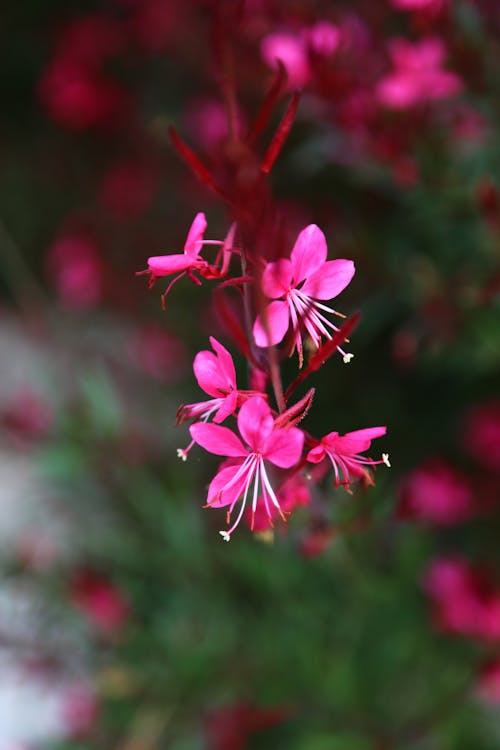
269, 460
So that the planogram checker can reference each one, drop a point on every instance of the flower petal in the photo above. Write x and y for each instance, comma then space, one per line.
225, 360
255, 422
218, 496
163, 265
329, 280
218, 440
309, 252
316, 454
195, 234
215, 376
227, 407
277, 278
277, 316
284, 447
354, 442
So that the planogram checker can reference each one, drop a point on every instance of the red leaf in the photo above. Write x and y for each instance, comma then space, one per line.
281, 135
325, 352
188, 156
267, 106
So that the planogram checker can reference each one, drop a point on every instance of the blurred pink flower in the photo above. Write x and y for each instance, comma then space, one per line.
290, 49
27, 417
75, 268
419, 4
436, 493
158, 353
482, 435
264, 442
100, 601
302, 281
464, 599
78, 97
294, 50
418, 75
80, 709
344, 451
90, 39
127, 189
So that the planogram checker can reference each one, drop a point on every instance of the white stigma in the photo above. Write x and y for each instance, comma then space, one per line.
347, 358
181, 454
385, 459
225, 536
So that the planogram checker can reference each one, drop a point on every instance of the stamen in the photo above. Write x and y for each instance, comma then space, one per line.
225, 535
385, 459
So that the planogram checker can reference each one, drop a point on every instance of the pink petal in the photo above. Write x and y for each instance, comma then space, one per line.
316, 454
309, 252
354, 442
255, 422
329, 280
227, 407
212, 375
277, 278
226, 361
218, 497
195, 234
163, 265
218, 440
284, 447
277, 315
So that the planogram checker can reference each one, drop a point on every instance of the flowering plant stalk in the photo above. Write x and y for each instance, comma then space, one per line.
283, 309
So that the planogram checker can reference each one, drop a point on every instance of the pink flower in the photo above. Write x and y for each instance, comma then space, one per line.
296, 285
294, 50
263, 442
75, 266
418, 75
216, 376
419, 4
465, 600
189, 261
482, 435
229, 727
103, 604
80, 709
344, 453
437, 493
290, 49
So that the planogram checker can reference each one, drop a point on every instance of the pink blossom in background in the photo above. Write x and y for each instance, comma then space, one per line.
75, 269
128, 189
297, 284
465, 601
158, 353
27, 417
80, 709
291, 50
78, 97
36, 550
481, 436
419, 4
315, 542
263, 443
206, 121
100, 601
294, 50
323, 38
344, 452
418, 75
487, 685
436, 493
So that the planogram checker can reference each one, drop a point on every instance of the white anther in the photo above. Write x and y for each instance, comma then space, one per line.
225, 536
347, 358
385, 459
